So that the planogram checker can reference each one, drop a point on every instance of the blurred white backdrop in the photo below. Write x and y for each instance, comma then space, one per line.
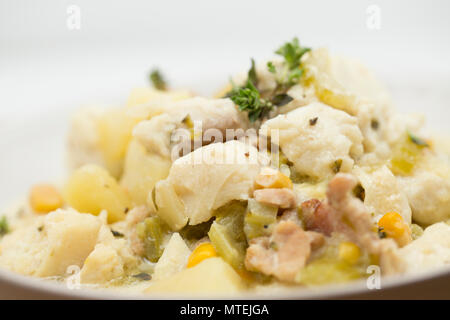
47, 69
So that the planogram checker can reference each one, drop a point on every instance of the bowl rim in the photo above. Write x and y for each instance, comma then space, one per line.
55, 290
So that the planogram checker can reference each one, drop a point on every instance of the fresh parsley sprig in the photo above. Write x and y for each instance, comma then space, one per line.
292, 53
292, 69
248, 99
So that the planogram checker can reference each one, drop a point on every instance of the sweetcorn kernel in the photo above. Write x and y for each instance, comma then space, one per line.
202, 252
349, 252
45, 198
272, 179
396, 228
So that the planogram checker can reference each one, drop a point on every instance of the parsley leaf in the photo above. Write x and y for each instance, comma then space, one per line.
158, 80
4, 226
417, 140
292, 70
249, 99
292, 53
271, 67
252, 74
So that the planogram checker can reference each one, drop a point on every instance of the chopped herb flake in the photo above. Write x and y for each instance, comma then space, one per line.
117, 234
4, 226
374, 124
157, 80
381, 233
359, 192
313, 121
143, 276
271, 67
248, 99
336, 166
418, 141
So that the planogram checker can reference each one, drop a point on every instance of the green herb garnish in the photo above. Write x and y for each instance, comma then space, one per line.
249, 99
336, 166
292, 53
252, 74
271, 67
4, 226
158, 80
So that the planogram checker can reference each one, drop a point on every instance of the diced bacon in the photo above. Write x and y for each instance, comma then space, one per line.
281, 255
283, 198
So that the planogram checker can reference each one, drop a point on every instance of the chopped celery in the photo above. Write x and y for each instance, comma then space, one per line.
416, 231
259, 219
325, 271
152, 232
406, 155
227, 234
332, 267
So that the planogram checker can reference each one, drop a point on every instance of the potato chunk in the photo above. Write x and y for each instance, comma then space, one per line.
92, 189
174, 258
142, 171
210, 276
383, 192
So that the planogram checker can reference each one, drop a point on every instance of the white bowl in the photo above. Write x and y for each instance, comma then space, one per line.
49, 70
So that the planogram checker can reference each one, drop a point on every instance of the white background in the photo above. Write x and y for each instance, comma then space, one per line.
47, 70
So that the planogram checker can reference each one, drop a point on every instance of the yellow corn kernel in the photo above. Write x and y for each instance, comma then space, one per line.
202, 252
349, 252
45, 198
396, 228
272, 179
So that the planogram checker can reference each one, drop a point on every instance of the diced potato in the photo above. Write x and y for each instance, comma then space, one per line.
45, 198
174, 258
102, 265
169, 207
142, 171
140, 96
211, 276
92, 189
115, 132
